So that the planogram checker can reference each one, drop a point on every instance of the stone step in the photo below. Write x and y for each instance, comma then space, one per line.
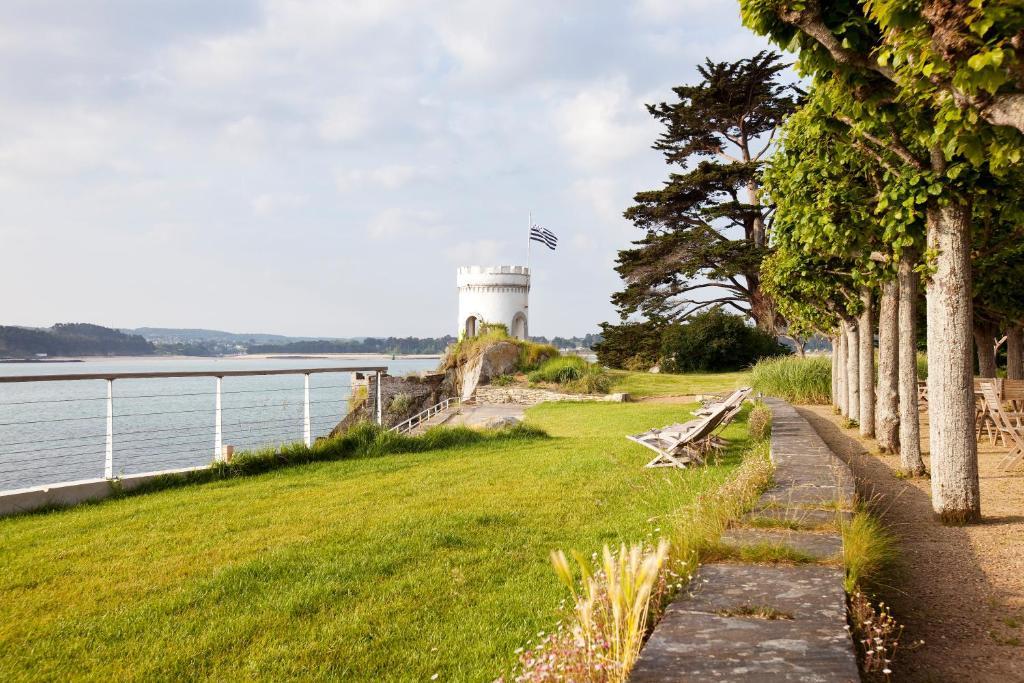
821, 546
804, 517
715, 635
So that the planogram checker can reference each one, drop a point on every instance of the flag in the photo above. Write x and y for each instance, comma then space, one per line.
544, 236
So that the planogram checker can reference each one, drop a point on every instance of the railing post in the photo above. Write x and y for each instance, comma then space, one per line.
218, 434
380, 408
108, 462
305, 416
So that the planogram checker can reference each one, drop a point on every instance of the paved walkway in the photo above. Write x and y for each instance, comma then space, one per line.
472, 415
769, 622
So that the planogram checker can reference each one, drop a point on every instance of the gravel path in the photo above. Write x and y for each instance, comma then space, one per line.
961, 590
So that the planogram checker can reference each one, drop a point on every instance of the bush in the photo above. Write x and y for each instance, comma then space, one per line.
760, 422
532, 355
503, 380
629, 346
797, 380
716, 341
560, 370
400, 404
574, 374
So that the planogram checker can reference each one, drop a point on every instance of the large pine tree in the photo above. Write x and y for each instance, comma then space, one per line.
706, 230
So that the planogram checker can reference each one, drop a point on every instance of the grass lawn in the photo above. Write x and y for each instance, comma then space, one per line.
641, 384
396, 567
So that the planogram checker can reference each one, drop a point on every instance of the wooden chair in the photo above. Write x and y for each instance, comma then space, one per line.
1006, 424
734, 399
684, 444
983, 420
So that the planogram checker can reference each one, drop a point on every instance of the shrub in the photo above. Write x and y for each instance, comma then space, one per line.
716, 341
400, 404
560, 370
639, 344
760, 422
798, 380
503, 380
595, 380
532, 355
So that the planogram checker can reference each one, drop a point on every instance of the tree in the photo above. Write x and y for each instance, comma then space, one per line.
706, 229
632, 346
849, 45
714, 340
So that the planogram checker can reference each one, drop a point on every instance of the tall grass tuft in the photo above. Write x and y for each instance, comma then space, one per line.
795, 379
574, 374
869, 549
617, 601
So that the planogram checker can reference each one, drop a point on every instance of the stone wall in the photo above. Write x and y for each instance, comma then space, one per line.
528, 396
423, 391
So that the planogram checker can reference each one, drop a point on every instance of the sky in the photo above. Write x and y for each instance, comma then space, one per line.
322, 167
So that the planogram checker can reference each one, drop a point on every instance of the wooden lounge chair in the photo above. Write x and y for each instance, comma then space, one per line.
681, 445
1008, 425
983, 420
734, 399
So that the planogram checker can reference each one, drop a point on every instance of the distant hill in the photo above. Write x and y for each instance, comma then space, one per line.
71, 339
171, 335
405, 345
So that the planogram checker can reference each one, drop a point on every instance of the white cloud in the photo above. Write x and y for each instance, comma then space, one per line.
345, 118
604, 123
395, 222
390, 177
479, 252
270, 203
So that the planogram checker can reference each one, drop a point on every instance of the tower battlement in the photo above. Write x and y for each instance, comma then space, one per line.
493, 294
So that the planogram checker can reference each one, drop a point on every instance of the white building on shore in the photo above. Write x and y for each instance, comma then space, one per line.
494, 294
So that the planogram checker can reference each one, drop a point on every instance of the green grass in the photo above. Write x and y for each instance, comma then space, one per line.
372, 568
643, 384
869, 552
795, 379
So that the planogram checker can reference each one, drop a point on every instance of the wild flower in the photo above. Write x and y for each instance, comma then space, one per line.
876, 633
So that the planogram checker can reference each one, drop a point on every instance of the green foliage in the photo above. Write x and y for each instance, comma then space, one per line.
797, 380
630, 346
574, 374
503, 380
533, 355
869, 550
706, 227
400, 404
715, 340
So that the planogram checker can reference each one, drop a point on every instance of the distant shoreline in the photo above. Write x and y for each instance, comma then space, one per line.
256, 356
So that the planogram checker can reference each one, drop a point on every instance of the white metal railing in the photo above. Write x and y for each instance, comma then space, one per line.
36, 448
417, 419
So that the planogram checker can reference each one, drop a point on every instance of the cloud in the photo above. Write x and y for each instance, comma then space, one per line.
479, 252
390, 177
267, 204
604, 123
345, 118
402, 223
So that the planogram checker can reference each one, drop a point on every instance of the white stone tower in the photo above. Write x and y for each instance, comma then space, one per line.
494, 294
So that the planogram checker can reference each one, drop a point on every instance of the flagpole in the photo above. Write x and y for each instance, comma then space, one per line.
529, 239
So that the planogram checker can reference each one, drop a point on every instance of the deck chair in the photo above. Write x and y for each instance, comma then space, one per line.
983, 421
734, 399
1005, 423
681, 444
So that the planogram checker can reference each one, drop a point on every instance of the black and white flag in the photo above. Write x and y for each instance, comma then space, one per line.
544, 236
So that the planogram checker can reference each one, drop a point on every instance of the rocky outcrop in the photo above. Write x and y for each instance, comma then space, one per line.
501, 358
402, 397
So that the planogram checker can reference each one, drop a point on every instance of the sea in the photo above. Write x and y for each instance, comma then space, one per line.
55, 431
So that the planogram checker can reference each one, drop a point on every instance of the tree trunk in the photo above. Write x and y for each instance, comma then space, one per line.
842, 397
1015, 353
956, 496
910, 420
984, 343
762, 308
852, 371
835, 370
887, 416
867, 366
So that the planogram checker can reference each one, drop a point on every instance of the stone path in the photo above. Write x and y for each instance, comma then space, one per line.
782, 622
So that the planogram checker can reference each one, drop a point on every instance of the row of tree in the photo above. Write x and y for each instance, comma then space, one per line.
899, 163
903, 162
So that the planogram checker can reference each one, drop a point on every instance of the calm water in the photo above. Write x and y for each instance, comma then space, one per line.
56, 431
